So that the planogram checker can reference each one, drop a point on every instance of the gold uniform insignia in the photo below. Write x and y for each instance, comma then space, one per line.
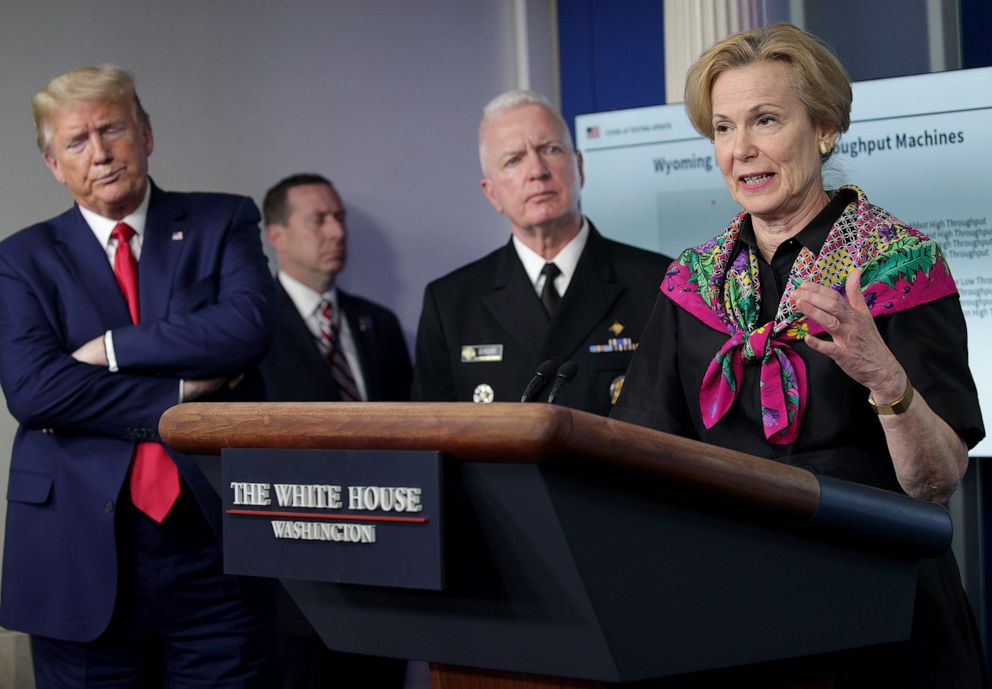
615, 387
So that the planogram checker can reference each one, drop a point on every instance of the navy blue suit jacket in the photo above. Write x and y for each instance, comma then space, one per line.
206, 298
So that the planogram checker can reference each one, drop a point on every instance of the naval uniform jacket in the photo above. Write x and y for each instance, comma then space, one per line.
483, 330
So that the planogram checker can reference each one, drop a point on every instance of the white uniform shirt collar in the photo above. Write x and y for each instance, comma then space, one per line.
102, 227
566, 260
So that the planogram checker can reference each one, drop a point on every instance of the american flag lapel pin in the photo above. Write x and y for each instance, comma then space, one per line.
177, 236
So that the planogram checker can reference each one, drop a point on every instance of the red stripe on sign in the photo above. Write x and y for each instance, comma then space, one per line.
340, 517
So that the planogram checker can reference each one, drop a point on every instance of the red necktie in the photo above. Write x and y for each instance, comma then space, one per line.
154, 477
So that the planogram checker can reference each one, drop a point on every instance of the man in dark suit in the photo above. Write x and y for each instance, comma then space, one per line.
305, 222
329, 346
557, 291
129, 302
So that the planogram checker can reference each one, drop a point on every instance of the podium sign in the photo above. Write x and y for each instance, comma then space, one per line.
343, 516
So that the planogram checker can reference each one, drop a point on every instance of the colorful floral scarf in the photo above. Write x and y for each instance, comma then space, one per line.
901, 269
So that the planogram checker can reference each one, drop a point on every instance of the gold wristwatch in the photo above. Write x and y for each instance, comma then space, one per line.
897, 407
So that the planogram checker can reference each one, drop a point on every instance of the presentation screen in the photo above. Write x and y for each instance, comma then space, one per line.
919, 146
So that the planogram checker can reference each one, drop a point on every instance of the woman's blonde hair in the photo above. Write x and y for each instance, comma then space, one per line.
821, 82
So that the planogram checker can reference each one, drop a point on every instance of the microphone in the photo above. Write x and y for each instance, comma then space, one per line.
541, 377
565, 373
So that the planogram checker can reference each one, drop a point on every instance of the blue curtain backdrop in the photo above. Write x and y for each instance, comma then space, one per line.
612, 55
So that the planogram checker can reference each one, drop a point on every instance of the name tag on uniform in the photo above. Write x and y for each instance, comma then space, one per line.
480, 353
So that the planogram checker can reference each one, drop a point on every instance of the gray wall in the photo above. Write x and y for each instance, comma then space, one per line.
383, 96
920, 36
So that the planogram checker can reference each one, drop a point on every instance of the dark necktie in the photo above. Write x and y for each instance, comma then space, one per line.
154, 478
330, 348
549, 295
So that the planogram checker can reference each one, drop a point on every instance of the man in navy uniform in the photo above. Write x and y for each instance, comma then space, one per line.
558, 290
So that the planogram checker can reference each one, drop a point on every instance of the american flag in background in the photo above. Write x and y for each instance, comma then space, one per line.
592, 132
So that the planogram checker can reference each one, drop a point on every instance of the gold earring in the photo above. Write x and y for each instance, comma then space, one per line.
825, 149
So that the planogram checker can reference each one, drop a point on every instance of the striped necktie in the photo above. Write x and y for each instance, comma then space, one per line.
334, 355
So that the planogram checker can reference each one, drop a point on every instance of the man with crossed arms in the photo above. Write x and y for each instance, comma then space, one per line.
129, 302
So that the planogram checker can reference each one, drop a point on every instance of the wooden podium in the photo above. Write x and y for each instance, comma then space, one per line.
581, 551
